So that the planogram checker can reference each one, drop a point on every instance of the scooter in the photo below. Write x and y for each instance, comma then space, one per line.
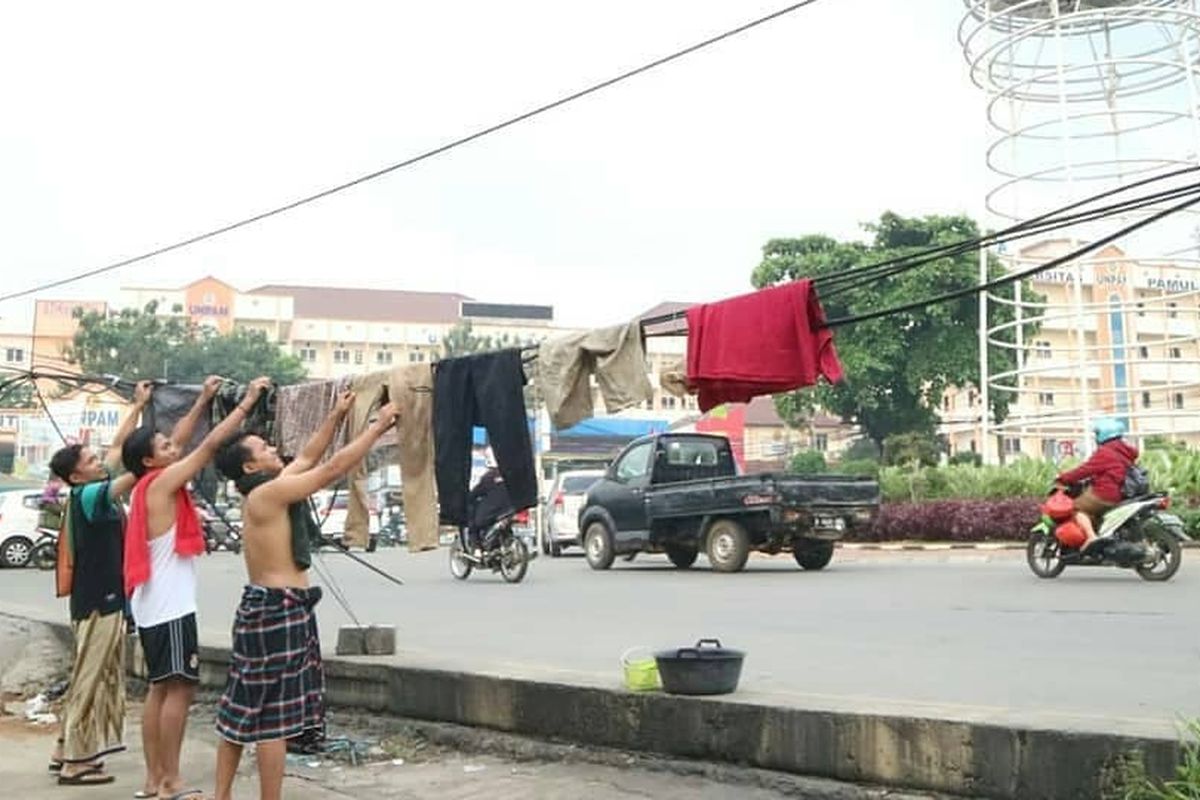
1138, 534
490, 542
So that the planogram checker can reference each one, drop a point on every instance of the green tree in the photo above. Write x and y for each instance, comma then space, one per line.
898, 367
140, 344
18, 395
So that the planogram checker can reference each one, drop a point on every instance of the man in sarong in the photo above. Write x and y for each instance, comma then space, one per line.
275, 689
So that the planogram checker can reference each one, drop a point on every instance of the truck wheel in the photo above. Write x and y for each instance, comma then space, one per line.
598, 546
813, 555
681, 557
728, 545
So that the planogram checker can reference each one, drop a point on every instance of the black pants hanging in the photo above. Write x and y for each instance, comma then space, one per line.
485, 390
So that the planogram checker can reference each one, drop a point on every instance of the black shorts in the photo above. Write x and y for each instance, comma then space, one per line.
172, 650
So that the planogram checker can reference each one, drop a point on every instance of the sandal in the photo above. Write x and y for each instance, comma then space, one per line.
92, 776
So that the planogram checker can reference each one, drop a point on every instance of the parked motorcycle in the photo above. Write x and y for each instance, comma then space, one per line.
44, 554
490, 542
1138, 534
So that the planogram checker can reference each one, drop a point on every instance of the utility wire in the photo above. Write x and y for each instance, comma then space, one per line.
479, 134
1042, 223
1016, 276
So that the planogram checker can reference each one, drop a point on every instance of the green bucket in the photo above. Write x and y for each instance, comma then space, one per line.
641, 670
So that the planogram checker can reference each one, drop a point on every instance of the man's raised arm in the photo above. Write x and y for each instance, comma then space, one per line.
316, 446
181, 435
141, 398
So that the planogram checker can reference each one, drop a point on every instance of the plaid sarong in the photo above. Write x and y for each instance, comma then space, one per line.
276, 683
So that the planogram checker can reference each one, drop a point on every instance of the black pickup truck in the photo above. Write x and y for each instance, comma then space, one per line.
680, 494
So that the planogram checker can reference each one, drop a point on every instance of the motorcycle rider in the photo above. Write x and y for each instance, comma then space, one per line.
1104, 471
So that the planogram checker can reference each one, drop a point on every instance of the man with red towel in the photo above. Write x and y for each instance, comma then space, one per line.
162, 539
765, 342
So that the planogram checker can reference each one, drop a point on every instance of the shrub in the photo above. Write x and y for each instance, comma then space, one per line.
808, 462
861, 450
953, 521
861, 467
910, 448
966, 458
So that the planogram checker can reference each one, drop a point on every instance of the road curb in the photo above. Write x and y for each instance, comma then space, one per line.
976, 759
947, 546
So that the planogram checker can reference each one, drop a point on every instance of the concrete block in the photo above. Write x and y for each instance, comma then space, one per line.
351, 641
380, 640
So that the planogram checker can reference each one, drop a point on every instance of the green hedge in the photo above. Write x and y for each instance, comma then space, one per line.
1174, 471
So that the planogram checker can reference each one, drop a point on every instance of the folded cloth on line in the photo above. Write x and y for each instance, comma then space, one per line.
616, 356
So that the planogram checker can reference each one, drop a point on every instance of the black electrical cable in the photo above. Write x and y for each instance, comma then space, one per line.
379, 173
1135, 204
1052, 220
1016, 276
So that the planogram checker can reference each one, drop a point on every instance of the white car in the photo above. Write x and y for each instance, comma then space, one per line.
18, 526
563, 504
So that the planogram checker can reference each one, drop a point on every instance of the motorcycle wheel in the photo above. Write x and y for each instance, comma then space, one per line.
1044, 556
1170, 556
514, 560
459, 566
44, 556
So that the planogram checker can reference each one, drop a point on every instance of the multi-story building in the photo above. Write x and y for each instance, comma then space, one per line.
1113, 336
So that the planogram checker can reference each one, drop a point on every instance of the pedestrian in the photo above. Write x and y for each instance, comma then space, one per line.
275, 689
93, 717
162, 540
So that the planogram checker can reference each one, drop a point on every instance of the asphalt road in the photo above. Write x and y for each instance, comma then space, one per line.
959, 634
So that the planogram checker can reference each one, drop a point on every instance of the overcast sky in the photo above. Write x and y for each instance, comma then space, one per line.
127, 126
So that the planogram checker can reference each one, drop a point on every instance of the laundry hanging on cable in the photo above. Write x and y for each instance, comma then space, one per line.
615, 356
370, 392
301, 408
483, 389
765, 342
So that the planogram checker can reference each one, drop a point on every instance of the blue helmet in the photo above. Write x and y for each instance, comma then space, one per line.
1107, 428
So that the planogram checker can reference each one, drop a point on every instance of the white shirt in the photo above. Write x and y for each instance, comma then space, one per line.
170, 593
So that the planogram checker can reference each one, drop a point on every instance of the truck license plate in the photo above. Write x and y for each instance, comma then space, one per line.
829, 523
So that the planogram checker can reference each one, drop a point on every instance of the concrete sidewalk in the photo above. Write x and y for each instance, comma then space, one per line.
427, 772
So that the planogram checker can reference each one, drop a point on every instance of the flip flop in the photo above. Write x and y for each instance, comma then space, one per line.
56, 766
186, 793
142, 794
86, 778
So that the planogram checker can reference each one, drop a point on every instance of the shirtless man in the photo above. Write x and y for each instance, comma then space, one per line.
276, 684
162, 540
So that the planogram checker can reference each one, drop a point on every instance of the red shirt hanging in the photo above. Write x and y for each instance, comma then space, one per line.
765, 342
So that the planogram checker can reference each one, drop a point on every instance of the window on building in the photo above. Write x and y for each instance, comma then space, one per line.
1146, 400
946, 403
358, 356
416, 357
1042, 349
341, 356
14, 355
1049, 449
1177, 400
971, 398
1143, 352
1141, 309
821, 442
307, 354
1045, 398
383, 357
669, 401
1172, 310
1176, 352
1012, 446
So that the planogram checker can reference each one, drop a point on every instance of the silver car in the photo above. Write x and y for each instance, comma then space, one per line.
563, 504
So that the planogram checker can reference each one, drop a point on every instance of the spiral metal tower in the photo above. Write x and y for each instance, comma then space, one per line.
1085, 96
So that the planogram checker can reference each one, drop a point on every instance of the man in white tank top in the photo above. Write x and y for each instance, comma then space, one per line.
163, 539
